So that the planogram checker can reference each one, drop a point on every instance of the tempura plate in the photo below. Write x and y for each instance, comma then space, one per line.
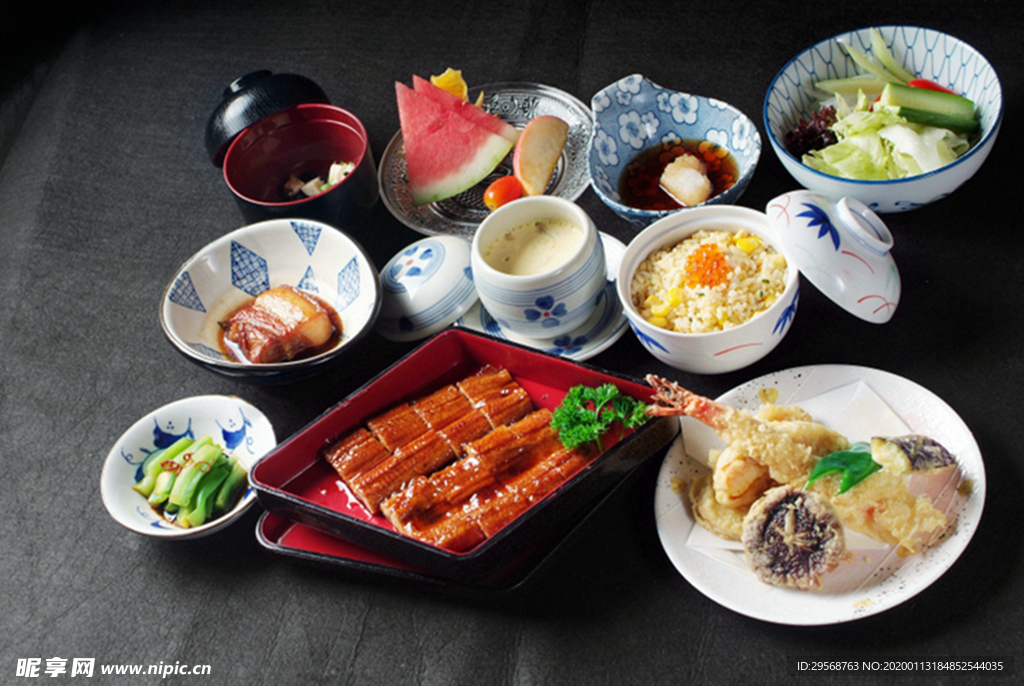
858, 402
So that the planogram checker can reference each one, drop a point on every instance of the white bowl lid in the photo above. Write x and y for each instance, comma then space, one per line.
842, 247
426, 287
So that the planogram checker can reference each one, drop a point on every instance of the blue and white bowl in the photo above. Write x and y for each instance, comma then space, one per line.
232, 423
548, 304
634, 114
927, 53
427, 287
238, 266
716, 352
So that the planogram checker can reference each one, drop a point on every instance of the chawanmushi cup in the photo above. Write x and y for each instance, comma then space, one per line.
548, 303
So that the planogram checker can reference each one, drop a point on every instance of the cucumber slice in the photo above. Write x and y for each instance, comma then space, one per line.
848, 88
898, 96
888, 60
939, 120
865, 63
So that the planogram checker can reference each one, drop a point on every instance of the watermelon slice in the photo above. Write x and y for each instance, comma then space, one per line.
462, 108
445, 153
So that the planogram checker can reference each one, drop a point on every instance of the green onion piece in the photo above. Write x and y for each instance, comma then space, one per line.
150, 469
170, 470
206, 493
151, 465
185, 485
855, 464
145, 486
229, 490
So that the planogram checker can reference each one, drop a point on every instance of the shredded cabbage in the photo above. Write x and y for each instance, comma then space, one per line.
878, 145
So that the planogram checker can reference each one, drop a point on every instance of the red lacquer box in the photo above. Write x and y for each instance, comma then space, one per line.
295, 483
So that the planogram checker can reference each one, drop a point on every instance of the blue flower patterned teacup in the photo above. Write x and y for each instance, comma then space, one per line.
548, 303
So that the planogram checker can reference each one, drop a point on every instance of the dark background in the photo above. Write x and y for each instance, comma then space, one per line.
105, 189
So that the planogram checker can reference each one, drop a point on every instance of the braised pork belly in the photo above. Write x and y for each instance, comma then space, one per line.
280, 324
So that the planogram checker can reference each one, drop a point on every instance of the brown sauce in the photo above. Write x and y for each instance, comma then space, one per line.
234, 352
639, 186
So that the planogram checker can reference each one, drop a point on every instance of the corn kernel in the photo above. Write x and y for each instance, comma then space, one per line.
659, 310
660, 322
675, 296
747, 244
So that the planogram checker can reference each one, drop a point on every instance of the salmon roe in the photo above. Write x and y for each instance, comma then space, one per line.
706, 266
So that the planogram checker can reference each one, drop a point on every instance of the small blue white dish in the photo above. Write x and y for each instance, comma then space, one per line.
426, 287
634, 115
232, 423
232, 270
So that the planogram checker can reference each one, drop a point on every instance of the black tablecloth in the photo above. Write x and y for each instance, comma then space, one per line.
105, 188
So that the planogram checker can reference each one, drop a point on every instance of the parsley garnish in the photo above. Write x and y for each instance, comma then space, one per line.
586, 414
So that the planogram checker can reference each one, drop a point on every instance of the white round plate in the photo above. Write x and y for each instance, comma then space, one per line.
848, 399
515, 103
604, 327
231, 422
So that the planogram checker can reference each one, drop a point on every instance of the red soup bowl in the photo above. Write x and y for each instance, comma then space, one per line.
302, 141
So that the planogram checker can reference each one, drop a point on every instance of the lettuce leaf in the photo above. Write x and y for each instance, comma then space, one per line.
880, 145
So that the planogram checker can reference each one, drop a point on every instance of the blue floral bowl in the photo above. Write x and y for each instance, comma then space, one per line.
634, 114
240, 265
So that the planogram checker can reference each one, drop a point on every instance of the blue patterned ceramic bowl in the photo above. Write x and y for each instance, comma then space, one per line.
929, 54
633, 115
237, 267
719, 351
232, 423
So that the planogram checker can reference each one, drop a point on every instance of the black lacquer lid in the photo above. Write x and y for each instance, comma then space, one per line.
251, 98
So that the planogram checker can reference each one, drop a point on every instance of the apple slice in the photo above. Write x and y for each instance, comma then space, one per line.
537, 152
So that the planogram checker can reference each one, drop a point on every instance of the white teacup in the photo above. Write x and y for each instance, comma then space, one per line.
540, 301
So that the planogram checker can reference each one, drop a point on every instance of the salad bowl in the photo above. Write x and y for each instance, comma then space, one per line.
634, 114
925, 53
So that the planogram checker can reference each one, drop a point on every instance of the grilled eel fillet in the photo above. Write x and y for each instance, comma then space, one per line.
501, 476
418, 438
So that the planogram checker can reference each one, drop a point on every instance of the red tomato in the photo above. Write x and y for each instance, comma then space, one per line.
930, 85
501, 191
